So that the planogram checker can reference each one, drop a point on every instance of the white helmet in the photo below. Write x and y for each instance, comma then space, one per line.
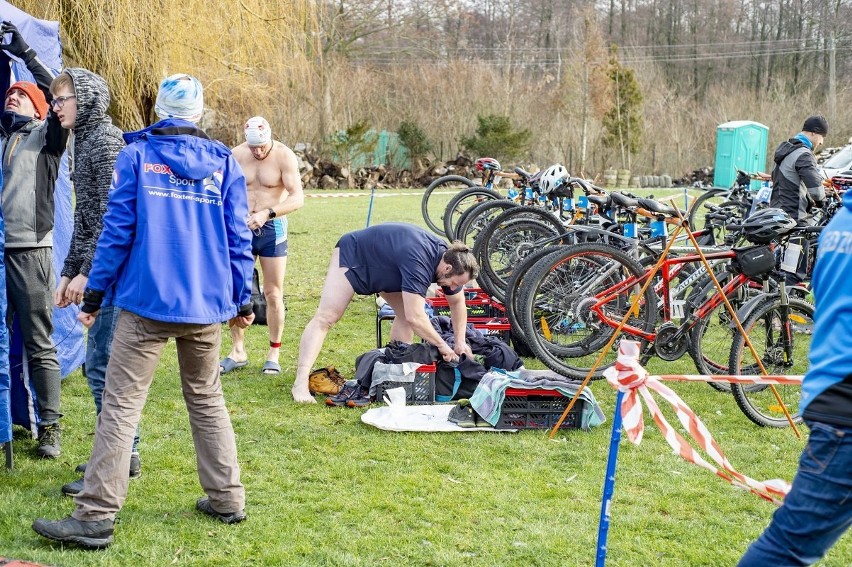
553, 177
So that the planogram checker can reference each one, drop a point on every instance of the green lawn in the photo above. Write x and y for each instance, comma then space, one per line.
324, 489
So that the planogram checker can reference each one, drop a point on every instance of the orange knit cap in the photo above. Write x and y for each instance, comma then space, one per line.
34, 94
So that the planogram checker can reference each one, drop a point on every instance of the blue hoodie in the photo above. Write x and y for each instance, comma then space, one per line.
827, 387
175, 244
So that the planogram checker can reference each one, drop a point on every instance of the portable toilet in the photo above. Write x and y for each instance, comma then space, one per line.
740, 144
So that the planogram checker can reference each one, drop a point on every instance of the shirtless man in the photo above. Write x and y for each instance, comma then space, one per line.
274, 190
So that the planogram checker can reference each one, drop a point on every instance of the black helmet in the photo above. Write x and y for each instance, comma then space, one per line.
767, 225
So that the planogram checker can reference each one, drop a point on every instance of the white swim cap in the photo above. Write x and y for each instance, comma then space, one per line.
258, 132
180, 96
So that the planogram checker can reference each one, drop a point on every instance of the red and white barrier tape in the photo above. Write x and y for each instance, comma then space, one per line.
630, 377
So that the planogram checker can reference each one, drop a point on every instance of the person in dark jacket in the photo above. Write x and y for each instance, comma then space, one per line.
796, 181
80, 101
818, 508
33, 143
176, 251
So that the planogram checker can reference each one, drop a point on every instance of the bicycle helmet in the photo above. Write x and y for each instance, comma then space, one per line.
553, 177
767, 225
487, 163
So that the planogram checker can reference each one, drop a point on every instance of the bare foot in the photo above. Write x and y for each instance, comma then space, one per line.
301, 394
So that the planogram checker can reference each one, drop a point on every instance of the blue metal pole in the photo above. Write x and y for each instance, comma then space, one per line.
609, 482
686, 199
370, 207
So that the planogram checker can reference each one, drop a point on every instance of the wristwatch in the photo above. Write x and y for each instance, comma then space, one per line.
271, 213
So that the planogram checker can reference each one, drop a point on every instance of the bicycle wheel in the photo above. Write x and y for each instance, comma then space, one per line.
557, 301
505, 250
782, 343
711, 338
436, 197
461, 202
476, 218
519, 341
711, 197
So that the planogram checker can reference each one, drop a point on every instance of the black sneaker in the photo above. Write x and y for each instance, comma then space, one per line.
360, 399
203, 505
350, 388
73, 488
462, 415
48, 441
91, 535
135, 466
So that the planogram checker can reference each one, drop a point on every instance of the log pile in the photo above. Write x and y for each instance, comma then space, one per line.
319, 173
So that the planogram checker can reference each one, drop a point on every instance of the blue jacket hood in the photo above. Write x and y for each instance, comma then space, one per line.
184, 147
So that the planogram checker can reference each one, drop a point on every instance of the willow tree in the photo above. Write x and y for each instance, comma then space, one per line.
245, 54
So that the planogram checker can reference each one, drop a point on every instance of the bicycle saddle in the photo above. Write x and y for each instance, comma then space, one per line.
602, 201
623, 200
657, 207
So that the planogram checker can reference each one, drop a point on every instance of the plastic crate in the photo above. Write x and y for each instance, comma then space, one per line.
538, 409
479, 305
420, 391
498, 327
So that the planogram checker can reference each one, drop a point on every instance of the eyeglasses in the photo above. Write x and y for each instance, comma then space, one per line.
59, 101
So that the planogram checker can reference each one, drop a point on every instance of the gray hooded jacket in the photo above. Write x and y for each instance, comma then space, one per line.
96, 144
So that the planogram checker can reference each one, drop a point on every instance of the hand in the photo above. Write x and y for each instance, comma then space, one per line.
447, 353
241, 321
88, 319
59, 295
16, 46
256, 220
75, 290
463, 348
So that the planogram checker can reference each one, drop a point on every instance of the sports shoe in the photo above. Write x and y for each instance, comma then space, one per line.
360, 399
91, 535
48, 441
73, 488
135, 466
203, 505
350, 388
462, 414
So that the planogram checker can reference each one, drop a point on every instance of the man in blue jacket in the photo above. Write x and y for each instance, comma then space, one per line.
818, 509
175, 251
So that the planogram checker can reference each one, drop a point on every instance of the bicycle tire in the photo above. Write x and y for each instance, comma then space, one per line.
432, 208
555, 304
461, 202
476, 218
696, 212
498, 224
766, 329
711, 339
519, 341
502, 253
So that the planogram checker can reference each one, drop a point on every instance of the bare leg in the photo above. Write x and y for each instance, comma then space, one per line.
337, 293
273, 289
238, 344
400, 329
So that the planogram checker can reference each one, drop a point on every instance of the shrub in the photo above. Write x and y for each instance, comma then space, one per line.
358, 139
496, 137
414, 138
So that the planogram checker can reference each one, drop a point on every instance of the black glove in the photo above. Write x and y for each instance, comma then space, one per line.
16, 46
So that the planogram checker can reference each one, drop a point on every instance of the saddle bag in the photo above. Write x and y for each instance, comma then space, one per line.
754, 261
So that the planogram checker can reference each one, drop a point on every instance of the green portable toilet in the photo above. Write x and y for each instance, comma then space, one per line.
740, 144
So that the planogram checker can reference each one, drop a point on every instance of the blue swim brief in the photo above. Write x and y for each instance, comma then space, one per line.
270, 241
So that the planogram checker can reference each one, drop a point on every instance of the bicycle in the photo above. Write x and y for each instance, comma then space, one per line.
572, 304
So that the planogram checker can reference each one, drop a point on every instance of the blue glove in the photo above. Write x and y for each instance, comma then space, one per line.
16, 46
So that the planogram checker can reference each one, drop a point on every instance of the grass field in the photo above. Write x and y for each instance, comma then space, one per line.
325, 489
